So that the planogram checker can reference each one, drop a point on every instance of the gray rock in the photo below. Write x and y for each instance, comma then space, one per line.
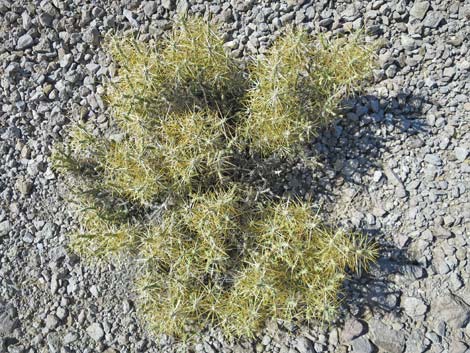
325, 22
461, 153
168, 4
92, 36
433, 159
8, 320
408, 42
47, 231
452, 309
112, 350
51, 321
182, 7
449, 72
362, 345
45, 19
416, 343
4, 6
455, 282
24, 42
24, 186
69, 337
150, 8
386, 338
433, 19
377, 176
414, 306
54, 284
419, 9
95, 331
391, 71
12, 69
61, 313
413, 271
129, 15
26, 20
66, 60
53, 342
458, 347
5, 228
304, 345
352, 329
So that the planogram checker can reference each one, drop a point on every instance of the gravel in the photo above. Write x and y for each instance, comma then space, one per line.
395, 168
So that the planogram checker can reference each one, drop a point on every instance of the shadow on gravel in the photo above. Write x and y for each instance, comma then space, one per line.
356, 143
375, 290
349, 153
349, 150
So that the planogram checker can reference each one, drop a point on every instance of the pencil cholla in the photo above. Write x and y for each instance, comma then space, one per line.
169, 192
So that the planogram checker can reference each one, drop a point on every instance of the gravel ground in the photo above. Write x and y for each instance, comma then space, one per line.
396, 167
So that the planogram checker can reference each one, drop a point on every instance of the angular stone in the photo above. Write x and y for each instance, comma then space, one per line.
352, 329
8, 320
24, 42
95, 331
150, 8
452, 309
45, 19
386, 338
129, 15
51, 321
433, 19
304, 345
69, 338
408, 42
61, 313
419, 9
92, 36
449, 72
182, 7
416, 343
24, 186
5, 228
362, 345
461, 153
433, 159
458, 347
414, 306
168, 4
